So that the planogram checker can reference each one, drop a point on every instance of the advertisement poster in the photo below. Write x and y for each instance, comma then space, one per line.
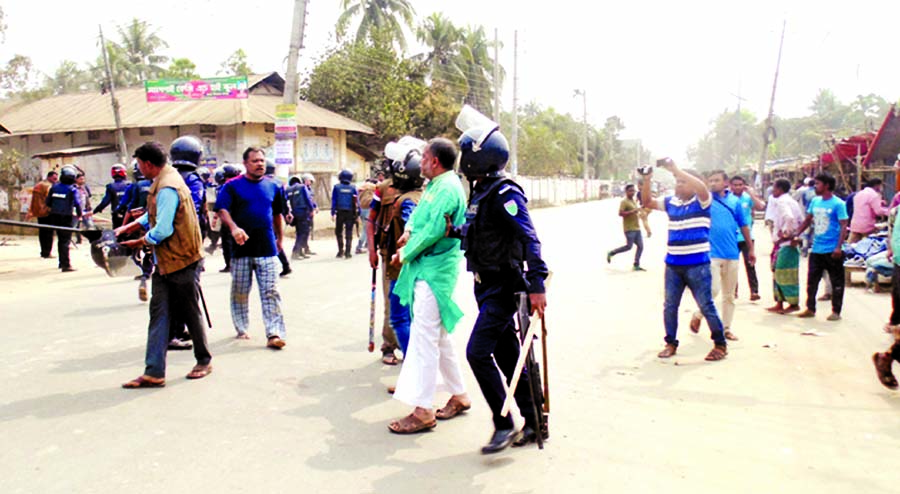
284, 153
166, 90
286, 122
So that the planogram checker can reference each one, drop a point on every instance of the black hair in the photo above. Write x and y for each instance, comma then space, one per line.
718, 172
783, 184
151, 152
875, 182
445, 152
252, 149
51, 173
828, 180
738, 177
629, 186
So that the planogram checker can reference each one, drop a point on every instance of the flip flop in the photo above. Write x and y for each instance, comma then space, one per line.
199, 372
411, 425
389, 359
142, 382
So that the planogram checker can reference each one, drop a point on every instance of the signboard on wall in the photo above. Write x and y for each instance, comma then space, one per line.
286, 121
284, 152
210, 151
317, 149
158, 90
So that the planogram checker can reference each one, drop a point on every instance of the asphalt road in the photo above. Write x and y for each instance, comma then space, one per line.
783, 413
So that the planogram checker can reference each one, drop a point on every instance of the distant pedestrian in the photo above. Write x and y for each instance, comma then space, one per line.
748, 202
786, 217
630, 213
41, 212
868, 205
687, 260
344, 211
250, 206
62, 202
827, 214
86, 219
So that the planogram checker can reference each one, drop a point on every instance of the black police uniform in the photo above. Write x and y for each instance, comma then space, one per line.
62, 200
345, 208
298, 196
115, 192
500, 240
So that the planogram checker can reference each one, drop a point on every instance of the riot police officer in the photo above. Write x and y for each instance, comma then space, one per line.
344, 211
62, 200
185, 153
229, 171
131, 207
270, 175
301, 207
500, 241
115, 191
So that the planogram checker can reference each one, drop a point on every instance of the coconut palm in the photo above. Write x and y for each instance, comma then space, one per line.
474, 53
375, 15
445, 66
141, 45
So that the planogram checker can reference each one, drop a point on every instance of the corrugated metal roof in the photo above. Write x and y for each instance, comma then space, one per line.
92, 111
76, 151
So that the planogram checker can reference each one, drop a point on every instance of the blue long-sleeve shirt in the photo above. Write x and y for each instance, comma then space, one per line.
166, 206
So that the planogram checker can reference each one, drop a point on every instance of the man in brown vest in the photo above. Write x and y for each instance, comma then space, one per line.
173, 232
41, 212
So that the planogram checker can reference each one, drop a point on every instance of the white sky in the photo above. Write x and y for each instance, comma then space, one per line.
666, 68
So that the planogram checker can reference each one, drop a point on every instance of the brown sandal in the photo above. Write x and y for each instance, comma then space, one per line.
695, 324
453, 408
411, 425
389, 359
717, 353
199, 371
143, 382
883, 364
668, 351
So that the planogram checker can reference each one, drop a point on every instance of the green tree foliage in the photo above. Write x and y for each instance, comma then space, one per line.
236, 64
181, 68
141, 45
734, 140
370, 83
68, 78
376, 16
20, 79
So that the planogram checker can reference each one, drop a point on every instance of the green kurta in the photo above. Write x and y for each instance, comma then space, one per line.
429, 255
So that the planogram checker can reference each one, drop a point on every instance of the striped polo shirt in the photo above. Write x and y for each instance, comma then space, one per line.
688, 230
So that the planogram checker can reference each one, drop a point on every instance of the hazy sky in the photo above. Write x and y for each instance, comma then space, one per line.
666, 68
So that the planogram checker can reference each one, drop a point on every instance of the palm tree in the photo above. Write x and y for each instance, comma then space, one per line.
445, 66
375, 15
479, 67
141, 47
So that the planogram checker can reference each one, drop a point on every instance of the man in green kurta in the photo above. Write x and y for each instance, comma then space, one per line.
430, 267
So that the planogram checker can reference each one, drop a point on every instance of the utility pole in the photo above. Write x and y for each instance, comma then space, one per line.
290, 80
740, 128
515, 107
496, 76
583, 94
120, 134
767, 132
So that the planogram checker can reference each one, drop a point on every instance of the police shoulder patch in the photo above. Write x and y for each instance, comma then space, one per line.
504, 189
511, 207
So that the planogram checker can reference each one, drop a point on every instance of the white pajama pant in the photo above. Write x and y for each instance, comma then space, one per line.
430, 355
724, 282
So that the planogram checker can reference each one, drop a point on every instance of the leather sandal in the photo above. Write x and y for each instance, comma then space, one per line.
883, 364
411, 425
668, 351
453, 408
717, 353
144, 382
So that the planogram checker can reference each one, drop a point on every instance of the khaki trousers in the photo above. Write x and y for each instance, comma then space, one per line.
724, 282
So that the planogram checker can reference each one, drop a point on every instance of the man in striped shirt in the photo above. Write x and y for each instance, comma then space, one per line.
687, 258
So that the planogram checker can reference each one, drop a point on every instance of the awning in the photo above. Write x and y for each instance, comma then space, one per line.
79, 151
887, 142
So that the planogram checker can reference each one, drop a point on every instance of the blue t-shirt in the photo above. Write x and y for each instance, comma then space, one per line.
253, 206
746, 203
688, 230
827, 215
727, 218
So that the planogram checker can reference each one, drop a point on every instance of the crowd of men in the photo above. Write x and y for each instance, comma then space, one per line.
418, 225
710, 222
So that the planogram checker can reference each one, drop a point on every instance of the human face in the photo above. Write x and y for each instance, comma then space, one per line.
629, 192
256, 165
147, 170
79, 180
681, 189
716, 183
821, 188
737, 186
430, 165
53, 179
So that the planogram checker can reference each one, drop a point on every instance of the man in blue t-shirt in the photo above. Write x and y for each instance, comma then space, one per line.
827, 214
749, 202
251, 206
687, 258
726, 221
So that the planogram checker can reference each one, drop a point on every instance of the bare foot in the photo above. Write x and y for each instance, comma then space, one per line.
242, 336
777, 308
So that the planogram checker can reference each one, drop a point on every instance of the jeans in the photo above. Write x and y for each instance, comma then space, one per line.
819, 264
494, 344
174, 295
45, 236
399, 319
752, 280
698, 279
632, 238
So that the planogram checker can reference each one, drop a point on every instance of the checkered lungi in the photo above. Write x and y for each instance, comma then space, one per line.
266, 269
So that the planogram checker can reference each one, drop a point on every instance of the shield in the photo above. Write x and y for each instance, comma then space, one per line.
114, 258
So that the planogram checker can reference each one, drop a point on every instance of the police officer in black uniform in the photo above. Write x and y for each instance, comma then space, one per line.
504, 253
229, 171
282, 257
185, 153
344, 211
62, 201
302, 206
115, 191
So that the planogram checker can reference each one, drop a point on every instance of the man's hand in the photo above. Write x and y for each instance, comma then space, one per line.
538, 303
838, 253
289, 218
373, 257
403, 240
133, 244
449, 227
752, 256
239, 235
332, 217
395, 260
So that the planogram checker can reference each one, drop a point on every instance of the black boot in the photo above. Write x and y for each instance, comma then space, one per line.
499, 441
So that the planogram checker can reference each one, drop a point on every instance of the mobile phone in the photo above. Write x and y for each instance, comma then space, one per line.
664, 162
644, 170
